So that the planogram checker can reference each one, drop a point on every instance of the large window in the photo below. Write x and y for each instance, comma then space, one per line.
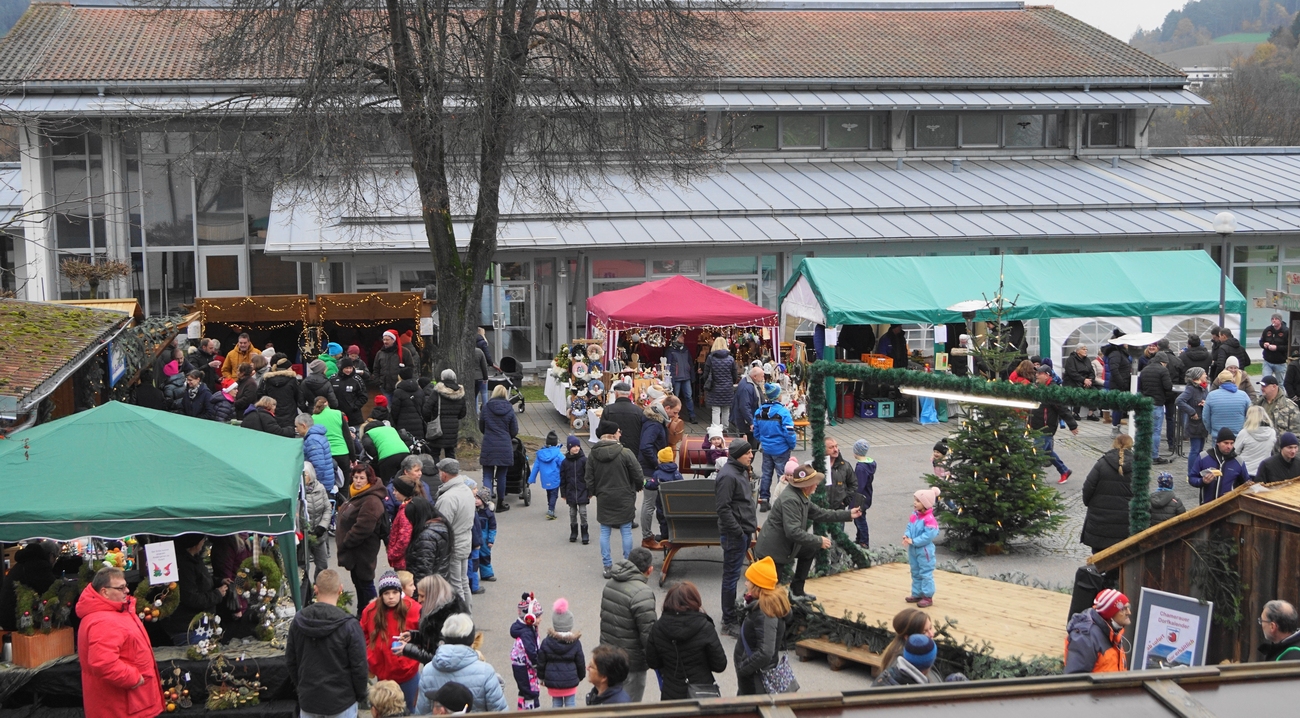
1103, 129
810, 131
985, 130
77, 194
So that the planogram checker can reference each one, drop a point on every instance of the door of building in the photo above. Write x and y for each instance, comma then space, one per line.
223, 271
512, 312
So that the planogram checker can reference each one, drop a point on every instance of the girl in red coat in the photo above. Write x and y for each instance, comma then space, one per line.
383, 620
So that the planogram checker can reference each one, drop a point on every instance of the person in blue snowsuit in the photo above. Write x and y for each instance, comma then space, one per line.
774, 430
864, 472
547, 465
484, 536
922, 530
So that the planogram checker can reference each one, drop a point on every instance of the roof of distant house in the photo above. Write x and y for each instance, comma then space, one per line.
1006, 43
39, 340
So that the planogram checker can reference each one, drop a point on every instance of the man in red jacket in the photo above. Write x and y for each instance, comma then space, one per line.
119, 678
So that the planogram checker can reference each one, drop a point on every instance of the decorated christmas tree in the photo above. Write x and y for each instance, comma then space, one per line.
997, 489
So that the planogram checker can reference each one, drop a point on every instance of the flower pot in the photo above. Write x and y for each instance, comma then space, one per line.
34, 650
993, 549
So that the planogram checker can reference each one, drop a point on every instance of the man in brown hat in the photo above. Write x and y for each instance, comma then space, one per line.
785, 535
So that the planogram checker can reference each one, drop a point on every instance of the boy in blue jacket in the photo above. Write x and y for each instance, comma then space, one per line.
483, 537
774, 430
865, 473
547, 465
667, 470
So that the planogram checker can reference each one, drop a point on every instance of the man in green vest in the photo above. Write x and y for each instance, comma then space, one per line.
1281, 628
385, 444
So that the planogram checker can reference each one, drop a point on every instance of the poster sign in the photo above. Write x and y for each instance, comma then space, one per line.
1172, 630
941, 361
160, 558
116, 363
941, 334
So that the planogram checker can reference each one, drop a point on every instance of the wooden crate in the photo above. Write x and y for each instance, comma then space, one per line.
837, 655
34, 650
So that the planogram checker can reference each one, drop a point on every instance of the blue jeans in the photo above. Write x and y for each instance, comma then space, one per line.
682, 388
551, 496
564, 702
772, 463
625, 530
1278, 370
1047, 443
733, 559
480, 394
365, 591
411, 691
498, 480
1196, 446
473, 569
349, 713
864, 536
1157, 422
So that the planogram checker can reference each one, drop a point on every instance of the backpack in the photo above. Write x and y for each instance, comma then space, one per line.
1242, 357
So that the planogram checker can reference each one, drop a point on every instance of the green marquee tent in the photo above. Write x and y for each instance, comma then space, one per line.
119, 470
836, 291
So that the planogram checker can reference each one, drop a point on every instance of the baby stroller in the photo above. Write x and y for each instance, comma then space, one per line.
511, 377
517, 474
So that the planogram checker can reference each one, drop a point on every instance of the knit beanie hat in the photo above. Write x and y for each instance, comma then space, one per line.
381, 400
772, 391
561, 619
354, 349
920, 651
1109, 602
316, 367
762, 573
571, 442
403, 486
790, 467
1232, 361
389, 582
1165, 481
738, 448
171, 368
552, 439
1288, 439
530, 610
1225, 434
666, 455
606, 428
927, 497
713, 430
333, 349
861, 447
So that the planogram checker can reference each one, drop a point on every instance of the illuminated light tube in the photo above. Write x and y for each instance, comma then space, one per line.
969, 398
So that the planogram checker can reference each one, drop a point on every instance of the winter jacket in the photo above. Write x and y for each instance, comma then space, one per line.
1155, 382
282, 386
246, 395
481, 343
1254, 446
263, 420
613, 477
1196, 356
336, 431
1093, 645
684, 648
1282, 413
197, 402
680, 363
864, 472
173, 391
560, 663
1276, 468
221, 408
383, 441
1165, 506
901, 673
1229, 348
720, 368
198, 592
1287, 649
1276, 337
613, 695
233, 358
843, 482
314, 386
429, 551
774, 429
461, 664
627, 613
665, 472
425, 641
1190, 404
407, 406
316, 450
388, 363
1107, 492
356, 535
326, 657
482, 367
319, 511
1292, 382
1225, 406
455, 505
399, 534
573, 479
1233, 473
379, 654
523, 658
744, 404
786, 531
894, 346
765, 637
1119, 369
445, 400
654, 436
628, 417
499, 425
350, 391
1076, 370
32, 568
114, 652
737, 513
1048, 416
547, 465
923, 530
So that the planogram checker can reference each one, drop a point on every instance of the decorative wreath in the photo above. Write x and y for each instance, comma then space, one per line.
578, 370
578, 423
35, 612
578, 407
595, 353
578, 352
596, 386
204, 637
259, 583
154, 603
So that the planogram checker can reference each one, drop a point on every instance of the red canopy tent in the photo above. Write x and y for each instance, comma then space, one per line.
674, 302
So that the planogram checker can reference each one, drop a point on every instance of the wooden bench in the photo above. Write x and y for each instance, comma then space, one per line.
691, 510
837, 654
801, 432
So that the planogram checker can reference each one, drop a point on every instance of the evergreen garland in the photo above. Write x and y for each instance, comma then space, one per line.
1214, 571
259, 583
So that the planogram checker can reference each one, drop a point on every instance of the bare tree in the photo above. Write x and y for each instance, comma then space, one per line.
1255, 106
538, 98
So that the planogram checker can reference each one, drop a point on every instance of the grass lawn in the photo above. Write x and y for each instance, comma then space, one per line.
534, 393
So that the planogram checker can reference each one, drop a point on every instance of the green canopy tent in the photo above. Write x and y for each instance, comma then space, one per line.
119, 470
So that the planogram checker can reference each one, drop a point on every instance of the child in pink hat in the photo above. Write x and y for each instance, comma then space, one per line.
922, 530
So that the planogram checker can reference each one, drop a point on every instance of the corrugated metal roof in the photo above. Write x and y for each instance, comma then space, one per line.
758, 99
832, 202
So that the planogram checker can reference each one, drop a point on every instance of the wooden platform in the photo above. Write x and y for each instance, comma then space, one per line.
837, 655
1014, 620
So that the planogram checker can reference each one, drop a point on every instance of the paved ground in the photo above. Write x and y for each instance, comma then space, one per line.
533, 554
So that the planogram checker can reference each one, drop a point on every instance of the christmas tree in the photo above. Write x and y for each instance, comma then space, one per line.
997, 489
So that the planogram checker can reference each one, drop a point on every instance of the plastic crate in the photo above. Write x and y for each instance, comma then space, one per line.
878, 361
884, 409
866, 409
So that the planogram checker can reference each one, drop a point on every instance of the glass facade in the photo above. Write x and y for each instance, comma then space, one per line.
986, 130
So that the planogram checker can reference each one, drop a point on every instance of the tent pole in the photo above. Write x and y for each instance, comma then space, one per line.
289, 552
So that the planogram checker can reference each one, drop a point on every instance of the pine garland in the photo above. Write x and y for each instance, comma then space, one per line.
258, 583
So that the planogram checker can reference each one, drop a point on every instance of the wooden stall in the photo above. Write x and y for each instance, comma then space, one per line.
1262, 523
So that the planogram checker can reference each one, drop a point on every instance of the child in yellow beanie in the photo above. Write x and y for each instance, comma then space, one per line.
767, 607
667, 470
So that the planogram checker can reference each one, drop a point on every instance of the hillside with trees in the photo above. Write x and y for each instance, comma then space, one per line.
1199, 22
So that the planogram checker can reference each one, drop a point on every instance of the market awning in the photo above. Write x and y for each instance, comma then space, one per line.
676, 302
905, 290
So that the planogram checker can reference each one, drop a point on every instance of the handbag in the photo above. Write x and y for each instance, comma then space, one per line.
779, 678
696, 690
433, 429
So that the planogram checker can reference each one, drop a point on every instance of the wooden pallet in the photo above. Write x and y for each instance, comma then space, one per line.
837, 655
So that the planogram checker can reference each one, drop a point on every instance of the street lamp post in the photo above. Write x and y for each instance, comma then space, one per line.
1225, 223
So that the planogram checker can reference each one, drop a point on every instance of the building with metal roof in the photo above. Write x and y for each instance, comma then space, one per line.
865, 128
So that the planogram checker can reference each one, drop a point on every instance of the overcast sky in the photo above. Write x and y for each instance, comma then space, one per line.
1117, 17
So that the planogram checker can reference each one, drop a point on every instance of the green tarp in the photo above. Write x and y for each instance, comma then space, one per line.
119, 470
917, 290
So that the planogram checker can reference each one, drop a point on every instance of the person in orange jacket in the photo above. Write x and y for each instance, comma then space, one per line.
119, 677
1095, 639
